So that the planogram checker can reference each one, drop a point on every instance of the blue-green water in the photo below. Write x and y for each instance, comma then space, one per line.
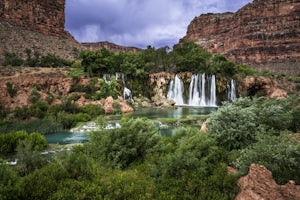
151, 113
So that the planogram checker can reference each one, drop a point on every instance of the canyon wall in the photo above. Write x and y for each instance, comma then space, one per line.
264, 34
46, 16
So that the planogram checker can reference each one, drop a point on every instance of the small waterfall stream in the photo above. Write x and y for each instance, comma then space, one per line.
176, 91
231, 91
127, 94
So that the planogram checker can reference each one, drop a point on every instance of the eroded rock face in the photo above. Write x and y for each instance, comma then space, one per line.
265, 86
259, 184
46, 16
51, 83
264, 34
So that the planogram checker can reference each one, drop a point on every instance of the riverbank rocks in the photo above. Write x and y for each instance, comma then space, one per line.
259, 184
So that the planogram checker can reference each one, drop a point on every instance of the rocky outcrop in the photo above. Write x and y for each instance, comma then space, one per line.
50, 85
264, 34
265, 86
259, 184
43, 82
110, 46
47, 16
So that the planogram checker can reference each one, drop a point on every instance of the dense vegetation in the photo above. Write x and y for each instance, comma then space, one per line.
185, 57
43, 118
135, 162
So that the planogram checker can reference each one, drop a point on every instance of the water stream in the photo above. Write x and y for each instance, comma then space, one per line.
78, 136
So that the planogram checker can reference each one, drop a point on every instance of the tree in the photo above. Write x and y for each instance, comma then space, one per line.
196, 169
234, 126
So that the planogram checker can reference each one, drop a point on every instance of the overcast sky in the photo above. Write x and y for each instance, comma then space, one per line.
139, 22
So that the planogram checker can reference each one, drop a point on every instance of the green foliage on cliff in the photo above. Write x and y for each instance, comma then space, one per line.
49, 60
187, 56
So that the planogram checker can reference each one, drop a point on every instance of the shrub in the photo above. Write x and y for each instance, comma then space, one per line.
234, 126
120, 147
12, 59
280, 154
12, 89
92, 110
10, 183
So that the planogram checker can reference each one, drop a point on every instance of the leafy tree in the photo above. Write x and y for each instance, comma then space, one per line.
220, 65
28, 158
234, 126
189, 56
122, 146
196, 169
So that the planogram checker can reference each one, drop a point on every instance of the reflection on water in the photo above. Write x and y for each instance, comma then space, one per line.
66, 137
151, 113
176, 112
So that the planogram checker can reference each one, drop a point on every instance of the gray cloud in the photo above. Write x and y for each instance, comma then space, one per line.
138, 22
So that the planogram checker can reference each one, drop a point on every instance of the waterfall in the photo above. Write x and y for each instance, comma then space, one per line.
231, 91
202, 91
211, 101
127, 94
194, 99
176, 90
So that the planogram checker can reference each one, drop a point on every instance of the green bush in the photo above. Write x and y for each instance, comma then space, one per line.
234, 126
12, 59
120, 147
10, 183
52, 60
12, 89
195, 168
70, 120
9, 141
280, 154
92, 110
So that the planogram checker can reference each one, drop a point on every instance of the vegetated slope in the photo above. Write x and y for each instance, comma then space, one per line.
263, 34
16, 39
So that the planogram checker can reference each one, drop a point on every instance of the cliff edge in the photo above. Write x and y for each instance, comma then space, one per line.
264, 34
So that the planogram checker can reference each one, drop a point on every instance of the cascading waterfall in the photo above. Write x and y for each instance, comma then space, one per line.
202, 91
176, 90
127, 94
231, 91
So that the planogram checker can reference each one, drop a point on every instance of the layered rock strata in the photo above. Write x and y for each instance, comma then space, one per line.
264, 34
47, 16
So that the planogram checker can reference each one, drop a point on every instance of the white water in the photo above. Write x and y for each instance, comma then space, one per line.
127, 94
175, 92
202, 91
232, 91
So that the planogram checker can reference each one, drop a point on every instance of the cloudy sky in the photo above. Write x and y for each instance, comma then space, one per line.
139, 22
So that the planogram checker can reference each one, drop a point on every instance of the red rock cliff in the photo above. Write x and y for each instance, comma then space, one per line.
46, 16
264, 34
